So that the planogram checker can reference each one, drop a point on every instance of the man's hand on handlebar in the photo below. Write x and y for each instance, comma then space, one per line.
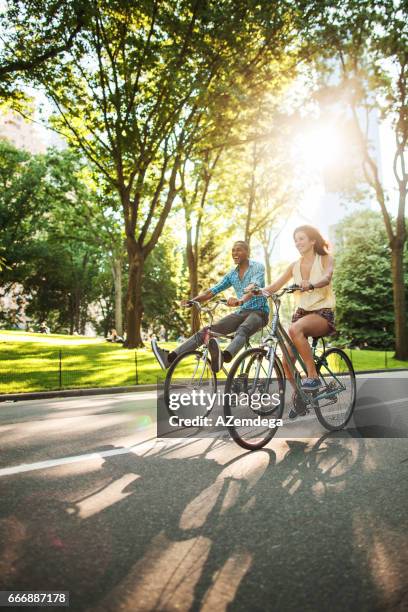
232, 302
253, 289
249, 288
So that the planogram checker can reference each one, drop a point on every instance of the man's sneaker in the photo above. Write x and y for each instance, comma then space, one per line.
161, 355
216, 355
299, 409
311, 384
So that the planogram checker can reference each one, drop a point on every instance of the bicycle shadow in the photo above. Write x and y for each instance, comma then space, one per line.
197, 525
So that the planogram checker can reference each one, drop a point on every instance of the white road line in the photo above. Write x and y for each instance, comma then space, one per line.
43, 465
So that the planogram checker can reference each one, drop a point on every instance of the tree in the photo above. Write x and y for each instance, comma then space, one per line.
48, 253
193, 197
362, 281
23, 203
62, 283
369, 43
162, 287
136, 84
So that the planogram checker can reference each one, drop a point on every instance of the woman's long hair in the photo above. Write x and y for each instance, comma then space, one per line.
321, 246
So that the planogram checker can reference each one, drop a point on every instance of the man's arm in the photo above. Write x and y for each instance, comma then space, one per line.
224, 284
202, 297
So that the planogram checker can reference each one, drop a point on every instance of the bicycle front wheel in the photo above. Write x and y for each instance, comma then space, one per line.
336, 372
253, 400
190, 372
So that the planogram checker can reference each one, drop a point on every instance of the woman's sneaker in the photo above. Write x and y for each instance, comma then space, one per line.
216, 354
299, 409
161, 355
311, 384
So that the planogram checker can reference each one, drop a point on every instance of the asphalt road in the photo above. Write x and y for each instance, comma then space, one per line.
94, 504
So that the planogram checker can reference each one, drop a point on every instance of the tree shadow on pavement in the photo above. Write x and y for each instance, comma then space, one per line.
200, 525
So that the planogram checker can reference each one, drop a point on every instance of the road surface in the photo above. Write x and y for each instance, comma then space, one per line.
94, 504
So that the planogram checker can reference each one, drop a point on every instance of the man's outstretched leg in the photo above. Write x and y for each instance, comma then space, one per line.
226, 325
250, 322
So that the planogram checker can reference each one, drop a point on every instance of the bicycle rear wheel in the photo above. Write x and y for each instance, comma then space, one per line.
336, 372
189, 372
253, 401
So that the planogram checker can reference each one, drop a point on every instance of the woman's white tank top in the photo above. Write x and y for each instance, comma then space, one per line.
322, 297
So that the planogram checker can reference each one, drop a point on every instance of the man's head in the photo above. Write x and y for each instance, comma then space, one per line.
240, 251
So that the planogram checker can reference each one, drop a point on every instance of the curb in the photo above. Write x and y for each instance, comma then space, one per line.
382, 370
15, 397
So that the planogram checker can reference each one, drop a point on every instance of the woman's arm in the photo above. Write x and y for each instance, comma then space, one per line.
328, 266
282, 280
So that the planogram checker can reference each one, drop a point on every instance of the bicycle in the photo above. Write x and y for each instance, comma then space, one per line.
191, 371
260, 371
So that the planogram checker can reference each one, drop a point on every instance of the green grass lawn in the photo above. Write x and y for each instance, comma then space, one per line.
31, 362
374, 360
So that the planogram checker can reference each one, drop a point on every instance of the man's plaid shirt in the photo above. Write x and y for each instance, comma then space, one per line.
254, 274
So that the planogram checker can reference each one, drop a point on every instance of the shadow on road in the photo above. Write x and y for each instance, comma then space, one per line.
198, 525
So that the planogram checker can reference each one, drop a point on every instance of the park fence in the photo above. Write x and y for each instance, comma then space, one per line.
52, 369
49, 370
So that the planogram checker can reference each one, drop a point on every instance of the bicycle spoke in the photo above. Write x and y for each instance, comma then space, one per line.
254, 398
334, 403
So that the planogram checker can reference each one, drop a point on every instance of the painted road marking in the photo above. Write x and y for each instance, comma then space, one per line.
50, 463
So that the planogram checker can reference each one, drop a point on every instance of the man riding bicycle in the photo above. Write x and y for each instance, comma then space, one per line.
251, 315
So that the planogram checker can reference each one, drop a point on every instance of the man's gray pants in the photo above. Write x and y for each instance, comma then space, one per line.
244, 324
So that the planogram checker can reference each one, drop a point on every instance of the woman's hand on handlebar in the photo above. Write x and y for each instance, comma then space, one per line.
305, 285
186, 303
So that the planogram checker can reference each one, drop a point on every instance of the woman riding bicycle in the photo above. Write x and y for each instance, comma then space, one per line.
314, 315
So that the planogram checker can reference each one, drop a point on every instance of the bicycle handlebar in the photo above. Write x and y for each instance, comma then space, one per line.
199, 307
289, 289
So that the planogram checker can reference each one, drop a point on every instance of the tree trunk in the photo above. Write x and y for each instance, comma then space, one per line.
117, 282
268, 268
251, 198
77, 309
193, 279
134, 305
398, 285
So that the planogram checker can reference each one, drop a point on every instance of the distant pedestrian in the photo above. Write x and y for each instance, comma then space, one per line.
44, 329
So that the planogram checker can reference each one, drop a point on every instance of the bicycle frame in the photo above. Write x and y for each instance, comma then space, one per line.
279, 337
210, 312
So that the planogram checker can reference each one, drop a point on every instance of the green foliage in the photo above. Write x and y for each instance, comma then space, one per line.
48, 250
34, 34
162, 288
362, 282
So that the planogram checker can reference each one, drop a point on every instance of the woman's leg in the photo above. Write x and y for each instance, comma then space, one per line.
310, 325
287, 369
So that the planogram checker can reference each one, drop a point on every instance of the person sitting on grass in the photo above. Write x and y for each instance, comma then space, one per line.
250, 316
114, 337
